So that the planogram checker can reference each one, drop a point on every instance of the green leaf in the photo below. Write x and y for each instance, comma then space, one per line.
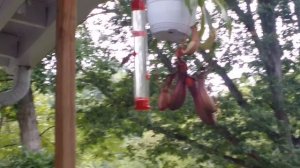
210, 41
221, 6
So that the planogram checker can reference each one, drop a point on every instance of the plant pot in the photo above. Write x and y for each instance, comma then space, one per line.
171, 20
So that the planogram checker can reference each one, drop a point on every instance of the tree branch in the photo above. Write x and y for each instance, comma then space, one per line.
47, 129
246, 18
5, 80
181, 137
166, 61
228, 82
9, 145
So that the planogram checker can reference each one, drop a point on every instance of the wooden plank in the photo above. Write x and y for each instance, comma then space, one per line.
65, 142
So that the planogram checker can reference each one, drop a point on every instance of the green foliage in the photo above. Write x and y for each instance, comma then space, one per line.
10, 146
29, 160
6, 80
43, 75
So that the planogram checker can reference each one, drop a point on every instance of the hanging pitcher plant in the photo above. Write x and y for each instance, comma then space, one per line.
208, 43
173, 91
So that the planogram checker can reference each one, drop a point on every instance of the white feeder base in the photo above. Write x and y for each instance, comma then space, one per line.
165, 32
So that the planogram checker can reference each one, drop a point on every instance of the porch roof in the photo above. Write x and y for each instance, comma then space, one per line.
27, 29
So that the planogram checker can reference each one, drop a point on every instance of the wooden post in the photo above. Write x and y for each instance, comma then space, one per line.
65, 143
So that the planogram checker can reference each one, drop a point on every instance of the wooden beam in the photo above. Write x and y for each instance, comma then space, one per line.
65, 142
28, 23
7, 10
34, 15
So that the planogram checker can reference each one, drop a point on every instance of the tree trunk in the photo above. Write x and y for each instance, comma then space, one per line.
270, 53
272, 60
29, 133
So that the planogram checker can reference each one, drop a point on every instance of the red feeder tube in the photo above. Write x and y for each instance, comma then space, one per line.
141, 82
